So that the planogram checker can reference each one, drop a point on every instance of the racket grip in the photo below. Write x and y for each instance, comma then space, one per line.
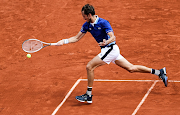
53, 44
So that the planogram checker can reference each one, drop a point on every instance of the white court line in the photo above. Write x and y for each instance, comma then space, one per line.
68, 94
174, 81
144, 98
101, 80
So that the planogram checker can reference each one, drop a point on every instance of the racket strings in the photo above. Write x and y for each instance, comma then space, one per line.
32, 45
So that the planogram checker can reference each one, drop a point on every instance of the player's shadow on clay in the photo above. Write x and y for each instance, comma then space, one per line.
76, 103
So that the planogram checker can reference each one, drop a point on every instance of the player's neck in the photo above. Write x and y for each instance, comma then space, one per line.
93, 19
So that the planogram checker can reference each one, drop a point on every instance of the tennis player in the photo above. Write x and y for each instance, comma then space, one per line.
102, 31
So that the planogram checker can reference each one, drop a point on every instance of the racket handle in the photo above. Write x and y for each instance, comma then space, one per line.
53, 44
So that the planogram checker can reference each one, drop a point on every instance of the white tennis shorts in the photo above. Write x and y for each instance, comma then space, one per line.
110, 54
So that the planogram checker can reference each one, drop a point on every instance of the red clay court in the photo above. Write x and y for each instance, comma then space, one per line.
147, 32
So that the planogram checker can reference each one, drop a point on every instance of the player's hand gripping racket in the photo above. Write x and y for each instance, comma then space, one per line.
34, 45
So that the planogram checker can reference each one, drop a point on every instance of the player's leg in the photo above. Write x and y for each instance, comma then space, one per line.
122, 62
132, 68
94, 63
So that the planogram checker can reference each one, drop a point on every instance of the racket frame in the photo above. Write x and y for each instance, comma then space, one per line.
42, 45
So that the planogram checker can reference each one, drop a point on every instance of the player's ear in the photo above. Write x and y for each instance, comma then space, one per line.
89, 15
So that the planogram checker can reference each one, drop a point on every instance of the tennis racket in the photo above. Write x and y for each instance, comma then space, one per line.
34, 45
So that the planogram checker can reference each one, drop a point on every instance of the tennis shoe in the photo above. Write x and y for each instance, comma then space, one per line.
84, 98
163, 76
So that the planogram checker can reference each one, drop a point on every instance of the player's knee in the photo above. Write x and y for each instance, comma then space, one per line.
88, 67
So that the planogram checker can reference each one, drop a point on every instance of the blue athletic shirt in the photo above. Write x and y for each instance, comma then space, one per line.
99, 30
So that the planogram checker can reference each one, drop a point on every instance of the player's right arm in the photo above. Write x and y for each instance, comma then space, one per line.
71, 39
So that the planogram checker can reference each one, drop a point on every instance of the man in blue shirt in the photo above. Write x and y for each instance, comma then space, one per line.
102, 31
98, 29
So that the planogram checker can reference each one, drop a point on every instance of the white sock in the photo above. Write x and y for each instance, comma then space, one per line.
89, 91
156, 72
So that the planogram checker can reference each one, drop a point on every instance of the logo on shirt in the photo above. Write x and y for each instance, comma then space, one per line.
90, 28
99, 28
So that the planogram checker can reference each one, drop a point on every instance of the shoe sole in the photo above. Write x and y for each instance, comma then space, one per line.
166, 78
166, 81
84, 101
164, 69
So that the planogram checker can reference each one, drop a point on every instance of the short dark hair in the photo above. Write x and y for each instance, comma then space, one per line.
88, 9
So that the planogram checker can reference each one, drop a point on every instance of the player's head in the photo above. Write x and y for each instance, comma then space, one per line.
88, 9
87, 12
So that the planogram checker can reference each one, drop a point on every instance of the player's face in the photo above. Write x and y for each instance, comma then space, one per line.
86, 17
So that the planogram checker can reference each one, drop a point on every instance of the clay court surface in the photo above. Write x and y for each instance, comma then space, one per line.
147, 32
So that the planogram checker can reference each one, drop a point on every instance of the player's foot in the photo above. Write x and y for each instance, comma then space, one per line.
163, 76
84, 98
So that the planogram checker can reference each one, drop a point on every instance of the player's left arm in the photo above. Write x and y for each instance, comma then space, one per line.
111, 39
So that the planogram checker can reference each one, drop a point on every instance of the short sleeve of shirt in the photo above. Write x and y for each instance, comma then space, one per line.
85, 27
106, 26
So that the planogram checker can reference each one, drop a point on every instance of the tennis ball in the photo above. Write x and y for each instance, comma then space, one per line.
28, 55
